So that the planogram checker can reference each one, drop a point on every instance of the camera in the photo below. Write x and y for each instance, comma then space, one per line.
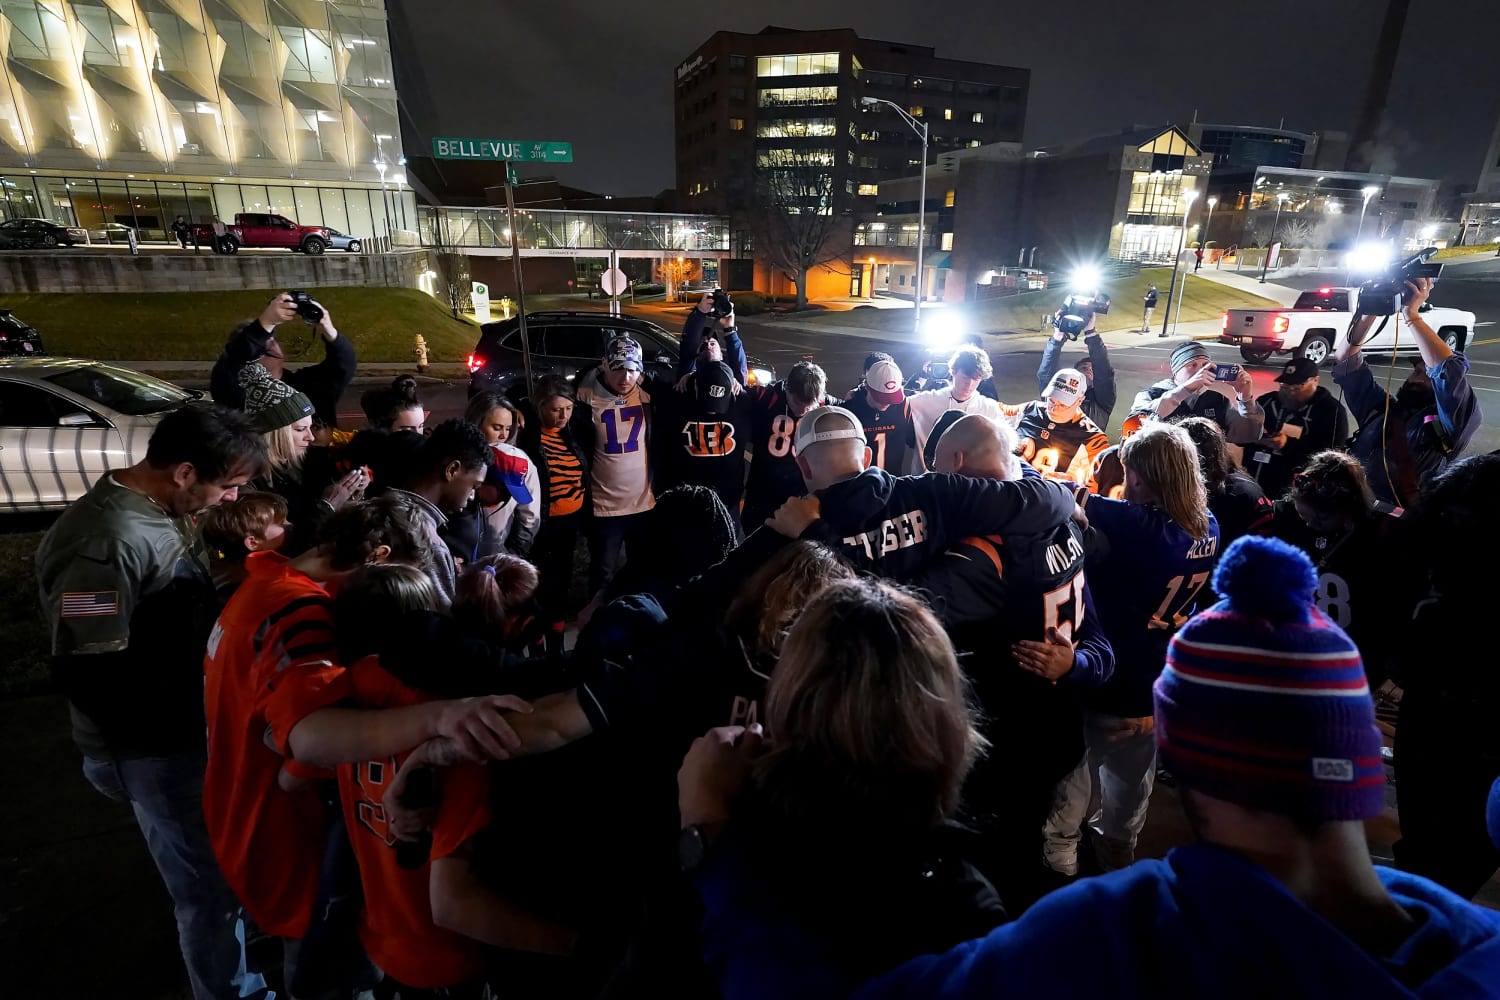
1386, 294
723, 304
1073, 318
310, 311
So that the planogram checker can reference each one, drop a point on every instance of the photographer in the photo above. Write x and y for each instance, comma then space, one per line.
256, 340
927, 378
1302, 419
713, 317
1187, 394
1404, 441
1099, 401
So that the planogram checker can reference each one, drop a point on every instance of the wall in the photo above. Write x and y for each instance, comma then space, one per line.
43, 271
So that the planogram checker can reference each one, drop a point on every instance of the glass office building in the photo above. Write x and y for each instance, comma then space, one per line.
129, 114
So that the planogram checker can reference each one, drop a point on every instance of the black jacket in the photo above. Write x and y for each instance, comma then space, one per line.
323, 382
1325, 424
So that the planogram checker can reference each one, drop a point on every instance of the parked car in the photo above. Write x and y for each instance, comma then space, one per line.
64, 422
259, 229
564, 343
343, 241
1316, 323
16, 338
30, 233
112, 232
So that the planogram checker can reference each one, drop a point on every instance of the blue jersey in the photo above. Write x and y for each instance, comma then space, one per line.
1147, 580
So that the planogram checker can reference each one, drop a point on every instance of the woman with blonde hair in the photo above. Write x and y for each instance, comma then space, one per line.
1148, 570
847, 814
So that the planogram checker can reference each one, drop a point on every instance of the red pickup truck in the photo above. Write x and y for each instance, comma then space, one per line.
255, 229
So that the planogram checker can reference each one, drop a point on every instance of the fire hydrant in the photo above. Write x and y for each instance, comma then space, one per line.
421, 352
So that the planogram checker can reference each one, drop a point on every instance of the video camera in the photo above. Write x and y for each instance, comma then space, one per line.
1386, 294
310, 311
723, 304
1078, 309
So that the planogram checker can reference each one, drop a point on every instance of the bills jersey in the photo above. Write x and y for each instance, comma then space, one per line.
620, 472
1149, 577
888, 432
774, 475
1061, 451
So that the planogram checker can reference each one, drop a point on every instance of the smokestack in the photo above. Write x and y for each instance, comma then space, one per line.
1382, 68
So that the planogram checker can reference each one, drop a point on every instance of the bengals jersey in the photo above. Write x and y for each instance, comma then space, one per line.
887, 432
774, 475
699, 449
1059, 451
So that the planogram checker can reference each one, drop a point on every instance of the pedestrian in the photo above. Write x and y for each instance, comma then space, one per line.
562, 479
703, 430
1099, 400
255, 340
698, 321
1404, 441
182, 231
395, 407
1197, 258
1159, 547
968, 367
775, 413
1279, 771
489, 528
1187, 393
1302, 419
127, 590
221, 235
1055, 435
1236, 501
1150, 300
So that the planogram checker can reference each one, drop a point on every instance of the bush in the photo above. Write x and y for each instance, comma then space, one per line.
1462, 251
650, 288
748, 303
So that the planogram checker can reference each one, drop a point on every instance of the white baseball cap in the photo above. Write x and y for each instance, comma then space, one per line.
884, 382
827, 423
1067, 386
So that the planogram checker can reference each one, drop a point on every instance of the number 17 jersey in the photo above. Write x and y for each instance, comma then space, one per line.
620, 472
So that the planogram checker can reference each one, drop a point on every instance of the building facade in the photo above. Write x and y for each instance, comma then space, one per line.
126, 115
755, 110
1325, 210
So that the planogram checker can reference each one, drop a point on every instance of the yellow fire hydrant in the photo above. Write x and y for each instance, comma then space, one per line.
421, 352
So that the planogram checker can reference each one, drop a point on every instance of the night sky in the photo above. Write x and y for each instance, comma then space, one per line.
598, 74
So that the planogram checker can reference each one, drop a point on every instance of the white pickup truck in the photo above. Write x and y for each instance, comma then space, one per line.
1316, 324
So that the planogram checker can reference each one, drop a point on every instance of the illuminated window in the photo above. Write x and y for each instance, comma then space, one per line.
948, 198
802, 64
796, 128
736, 124
869, 189
785, 97
977, 118
915, 111
947, 243
947, 114
794, 158
973, 143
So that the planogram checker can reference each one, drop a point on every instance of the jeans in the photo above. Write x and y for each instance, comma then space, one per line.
609, 548
166, 794
1122, 752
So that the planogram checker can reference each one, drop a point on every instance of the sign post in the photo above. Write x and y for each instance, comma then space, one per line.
508, 151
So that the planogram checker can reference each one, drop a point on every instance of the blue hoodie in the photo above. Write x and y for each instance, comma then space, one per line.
1203, 922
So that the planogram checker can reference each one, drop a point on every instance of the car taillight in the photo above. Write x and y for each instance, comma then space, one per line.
1225, 325
1280, 324
475, 363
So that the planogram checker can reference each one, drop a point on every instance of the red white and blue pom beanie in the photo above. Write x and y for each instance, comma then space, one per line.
1264, 702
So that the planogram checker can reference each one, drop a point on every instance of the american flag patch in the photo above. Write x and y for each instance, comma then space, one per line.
93, 604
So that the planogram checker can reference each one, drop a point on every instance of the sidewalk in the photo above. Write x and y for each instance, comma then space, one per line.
1246, 282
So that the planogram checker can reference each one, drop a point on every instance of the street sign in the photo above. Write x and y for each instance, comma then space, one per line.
613, 281
503, 149
510, 175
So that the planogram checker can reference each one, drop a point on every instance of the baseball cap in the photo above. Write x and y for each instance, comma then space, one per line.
623, 354
508, 469
1184, 353
1067, 386
1297, 370
715, 387
827, 423
884, 382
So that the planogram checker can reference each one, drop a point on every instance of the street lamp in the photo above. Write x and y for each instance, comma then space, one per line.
1188, 197
1369, 192
384, 203
1266, 265
921, 129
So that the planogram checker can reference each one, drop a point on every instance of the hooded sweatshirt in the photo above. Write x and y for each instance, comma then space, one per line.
1203, 922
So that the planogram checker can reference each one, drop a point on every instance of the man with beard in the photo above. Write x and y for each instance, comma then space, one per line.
1405, 441
1302, 419
1189, 393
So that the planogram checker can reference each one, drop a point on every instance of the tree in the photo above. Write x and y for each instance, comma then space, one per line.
672, 272
453, 279
798, 220
1298, 233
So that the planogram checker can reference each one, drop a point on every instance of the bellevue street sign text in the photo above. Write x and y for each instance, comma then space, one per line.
502, 149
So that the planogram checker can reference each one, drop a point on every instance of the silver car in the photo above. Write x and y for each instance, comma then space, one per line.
64, 422
343, 241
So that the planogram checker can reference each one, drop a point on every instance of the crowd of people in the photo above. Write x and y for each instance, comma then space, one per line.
865, 697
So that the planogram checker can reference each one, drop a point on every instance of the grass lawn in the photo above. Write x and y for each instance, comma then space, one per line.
23, 630
1202, 299
192, 326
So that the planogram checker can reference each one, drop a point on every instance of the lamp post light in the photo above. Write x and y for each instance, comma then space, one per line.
1266, 264
920, 128
1369, 191
1188, 197
385, 204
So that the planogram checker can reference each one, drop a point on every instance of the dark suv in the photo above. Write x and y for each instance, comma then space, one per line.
16, 338
565, 343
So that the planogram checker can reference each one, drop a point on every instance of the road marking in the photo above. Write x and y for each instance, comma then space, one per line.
1481, 343
1487, 322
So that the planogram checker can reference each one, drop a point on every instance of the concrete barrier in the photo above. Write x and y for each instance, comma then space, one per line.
50, 271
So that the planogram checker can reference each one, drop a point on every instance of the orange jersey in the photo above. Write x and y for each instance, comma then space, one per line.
270, 663
395, 925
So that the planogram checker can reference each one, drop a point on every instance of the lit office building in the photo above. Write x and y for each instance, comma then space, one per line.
127, 115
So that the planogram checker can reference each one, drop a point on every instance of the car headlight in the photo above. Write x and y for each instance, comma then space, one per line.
761, 376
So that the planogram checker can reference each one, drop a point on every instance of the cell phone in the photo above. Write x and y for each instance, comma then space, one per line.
1292, 431
1226, 373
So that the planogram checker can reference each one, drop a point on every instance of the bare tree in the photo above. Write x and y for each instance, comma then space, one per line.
1298, 233
799, 221
453, 278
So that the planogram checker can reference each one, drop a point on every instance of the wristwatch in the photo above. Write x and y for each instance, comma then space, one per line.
692, 848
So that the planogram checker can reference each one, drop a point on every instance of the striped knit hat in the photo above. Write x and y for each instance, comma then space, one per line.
1264, 701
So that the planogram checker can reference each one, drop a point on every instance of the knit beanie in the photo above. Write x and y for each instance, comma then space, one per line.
1264, 702
270, 403
1183, 353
